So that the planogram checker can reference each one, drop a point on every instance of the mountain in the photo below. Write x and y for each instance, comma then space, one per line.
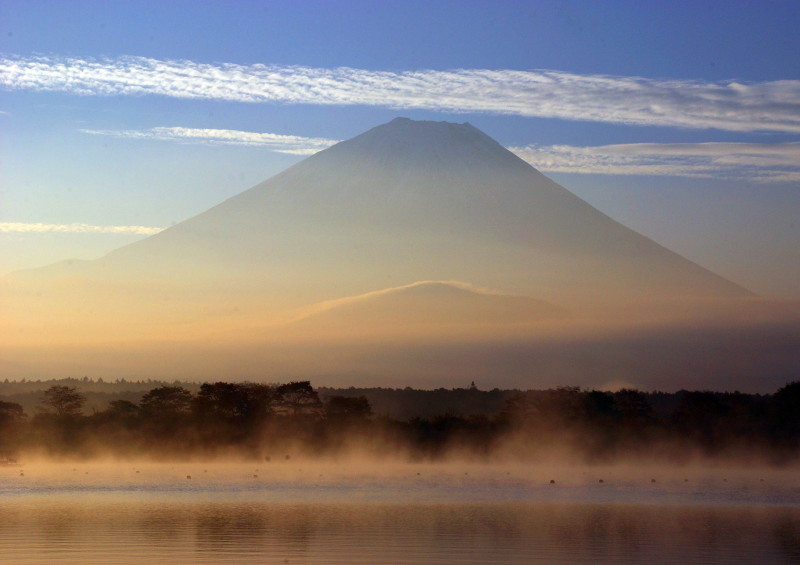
420, 307
410, 201
404, 202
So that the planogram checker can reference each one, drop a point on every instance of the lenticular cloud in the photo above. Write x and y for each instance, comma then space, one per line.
735, 106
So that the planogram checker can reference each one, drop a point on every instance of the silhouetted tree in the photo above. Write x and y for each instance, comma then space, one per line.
260, 402
12, 418
117, 427
347, 409
120, 414
698, 416
166, 401
123, 410
297, 399
599, 407
166, 418
563, 407
784, 413
228, 413
259, 419
224, 402
62, 401
519, 411
59, 425
633, 408
11, 414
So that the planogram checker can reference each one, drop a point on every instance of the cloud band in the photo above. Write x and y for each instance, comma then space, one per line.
730, 105
759, 162
19, 227
777, 162
292, 144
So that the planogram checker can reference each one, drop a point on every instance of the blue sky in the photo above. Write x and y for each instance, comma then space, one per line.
680, 119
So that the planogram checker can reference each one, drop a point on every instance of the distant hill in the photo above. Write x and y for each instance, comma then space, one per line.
437, 305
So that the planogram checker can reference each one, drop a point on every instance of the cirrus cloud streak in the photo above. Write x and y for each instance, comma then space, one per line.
758, 162
21, 227
291, 144
728, 105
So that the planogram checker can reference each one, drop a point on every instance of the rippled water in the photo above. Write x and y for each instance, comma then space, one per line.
404, 514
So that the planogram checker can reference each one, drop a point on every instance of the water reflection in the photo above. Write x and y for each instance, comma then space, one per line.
787, 535
70, 531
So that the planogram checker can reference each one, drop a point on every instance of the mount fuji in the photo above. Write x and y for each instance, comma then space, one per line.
404, 215
405, 201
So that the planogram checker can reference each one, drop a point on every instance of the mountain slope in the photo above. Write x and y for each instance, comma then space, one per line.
403, 202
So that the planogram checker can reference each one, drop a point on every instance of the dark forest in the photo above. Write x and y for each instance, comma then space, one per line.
83, 418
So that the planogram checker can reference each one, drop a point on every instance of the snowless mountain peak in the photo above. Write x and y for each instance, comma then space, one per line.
404, 201
351, 228
443, 147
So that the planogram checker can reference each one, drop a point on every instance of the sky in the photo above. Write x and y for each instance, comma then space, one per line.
679, 119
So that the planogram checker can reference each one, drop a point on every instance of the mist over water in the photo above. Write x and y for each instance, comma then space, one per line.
359, 479
322, 481
301, 511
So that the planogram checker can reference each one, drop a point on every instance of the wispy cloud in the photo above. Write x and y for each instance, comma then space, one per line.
18, 227
292, 144
759, 162
728, 105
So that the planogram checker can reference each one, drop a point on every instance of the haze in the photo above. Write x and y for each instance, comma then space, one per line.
522, 202
421, 251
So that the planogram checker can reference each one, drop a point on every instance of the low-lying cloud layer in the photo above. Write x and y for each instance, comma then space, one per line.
728, 105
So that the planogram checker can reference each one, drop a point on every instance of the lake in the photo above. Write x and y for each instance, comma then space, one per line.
349, 512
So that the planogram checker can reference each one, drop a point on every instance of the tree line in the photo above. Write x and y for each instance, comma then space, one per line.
275, 420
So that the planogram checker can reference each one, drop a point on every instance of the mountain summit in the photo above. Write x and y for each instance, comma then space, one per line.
408, 201
403, 202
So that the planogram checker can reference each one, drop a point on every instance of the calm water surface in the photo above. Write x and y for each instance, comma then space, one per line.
181, 514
